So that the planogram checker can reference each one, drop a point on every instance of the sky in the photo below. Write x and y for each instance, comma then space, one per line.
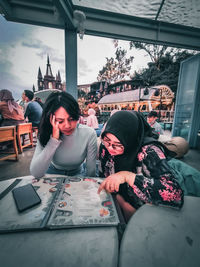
24, 48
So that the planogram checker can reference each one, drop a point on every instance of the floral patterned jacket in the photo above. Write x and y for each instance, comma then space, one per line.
154, 181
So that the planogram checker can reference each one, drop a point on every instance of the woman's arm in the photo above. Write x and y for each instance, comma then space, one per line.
43, 156
91, 155
156, 184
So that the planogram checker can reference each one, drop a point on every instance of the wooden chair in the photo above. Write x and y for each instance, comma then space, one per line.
35, 134
22, 130
8, 133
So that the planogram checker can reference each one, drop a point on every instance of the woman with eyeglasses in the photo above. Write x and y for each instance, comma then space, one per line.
135, 164
63, 143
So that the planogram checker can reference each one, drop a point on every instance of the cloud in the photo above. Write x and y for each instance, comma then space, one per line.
12, 83
11, 32
5, 65
33, 44
83, 67
45, 50
38, 44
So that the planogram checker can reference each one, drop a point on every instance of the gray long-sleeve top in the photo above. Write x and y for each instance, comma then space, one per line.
68, 153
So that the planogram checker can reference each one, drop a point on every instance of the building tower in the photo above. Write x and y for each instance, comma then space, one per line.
33, 88
58, 81
40, 80
49, 79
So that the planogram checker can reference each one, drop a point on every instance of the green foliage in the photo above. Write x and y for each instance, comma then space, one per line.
164, 66
81, 93
116, 68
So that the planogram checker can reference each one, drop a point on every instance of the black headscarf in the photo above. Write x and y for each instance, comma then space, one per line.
133, 131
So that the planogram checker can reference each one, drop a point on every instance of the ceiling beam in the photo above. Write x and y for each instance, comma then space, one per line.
159, 10
59, 14
35, 14
65, 8
125, 27
5, 8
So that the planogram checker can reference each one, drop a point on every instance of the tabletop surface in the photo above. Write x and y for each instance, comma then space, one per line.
88, 246
161, 236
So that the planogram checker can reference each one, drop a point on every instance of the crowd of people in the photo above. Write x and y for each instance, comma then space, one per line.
135, 165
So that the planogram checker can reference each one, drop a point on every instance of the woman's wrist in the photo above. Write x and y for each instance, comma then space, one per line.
130, 178
56, 135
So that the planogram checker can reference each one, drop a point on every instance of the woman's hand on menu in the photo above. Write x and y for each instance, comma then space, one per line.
111, 183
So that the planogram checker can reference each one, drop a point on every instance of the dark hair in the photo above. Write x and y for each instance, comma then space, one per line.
54, 101
152, 113
29, 94
39, 101
6, 95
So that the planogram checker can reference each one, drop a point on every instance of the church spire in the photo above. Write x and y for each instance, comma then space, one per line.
40, 80
58, 81
48, 70
33, 88
39, 73
58, 78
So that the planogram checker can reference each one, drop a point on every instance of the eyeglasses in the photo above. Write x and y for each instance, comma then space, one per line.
115, 147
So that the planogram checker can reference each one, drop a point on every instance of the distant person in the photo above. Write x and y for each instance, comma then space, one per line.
33, 110
39, 100
92, 119
151, 119
111, 113
81, 120
23, 102
64, 145
11, 112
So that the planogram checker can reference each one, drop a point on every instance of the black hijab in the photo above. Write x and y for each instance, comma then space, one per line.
133, 131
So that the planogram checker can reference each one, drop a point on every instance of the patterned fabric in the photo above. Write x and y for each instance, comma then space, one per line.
17, 115
154, 182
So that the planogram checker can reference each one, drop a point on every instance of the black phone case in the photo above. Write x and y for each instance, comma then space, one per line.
25, 197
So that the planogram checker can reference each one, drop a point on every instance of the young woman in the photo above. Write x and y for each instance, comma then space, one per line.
63, 144
135, 164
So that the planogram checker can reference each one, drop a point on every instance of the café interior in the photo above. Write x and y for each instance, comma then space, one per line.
164, 22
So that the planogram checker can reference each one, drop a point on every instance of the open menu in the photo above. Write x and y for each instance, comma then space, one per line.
65, 203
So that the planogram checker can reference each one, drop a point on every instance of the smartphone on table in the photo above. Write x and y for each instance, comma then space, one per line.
25, 197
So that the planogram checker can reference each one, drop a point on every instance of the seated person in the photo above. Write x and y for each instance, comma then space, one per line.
135, 164
151, 119
39, 100
92, 119
11, 112
33, 109
64, 144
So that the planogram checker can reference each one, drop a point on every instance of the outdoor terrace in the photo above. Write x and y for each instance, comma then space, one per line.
10, 168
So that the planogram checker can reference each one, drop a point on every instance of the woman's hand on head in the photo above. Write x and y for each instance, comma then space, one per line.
111, 183
55, 125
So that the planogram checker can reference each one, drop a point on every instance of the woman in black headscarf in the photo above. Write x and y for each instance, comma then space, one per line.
135, 164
